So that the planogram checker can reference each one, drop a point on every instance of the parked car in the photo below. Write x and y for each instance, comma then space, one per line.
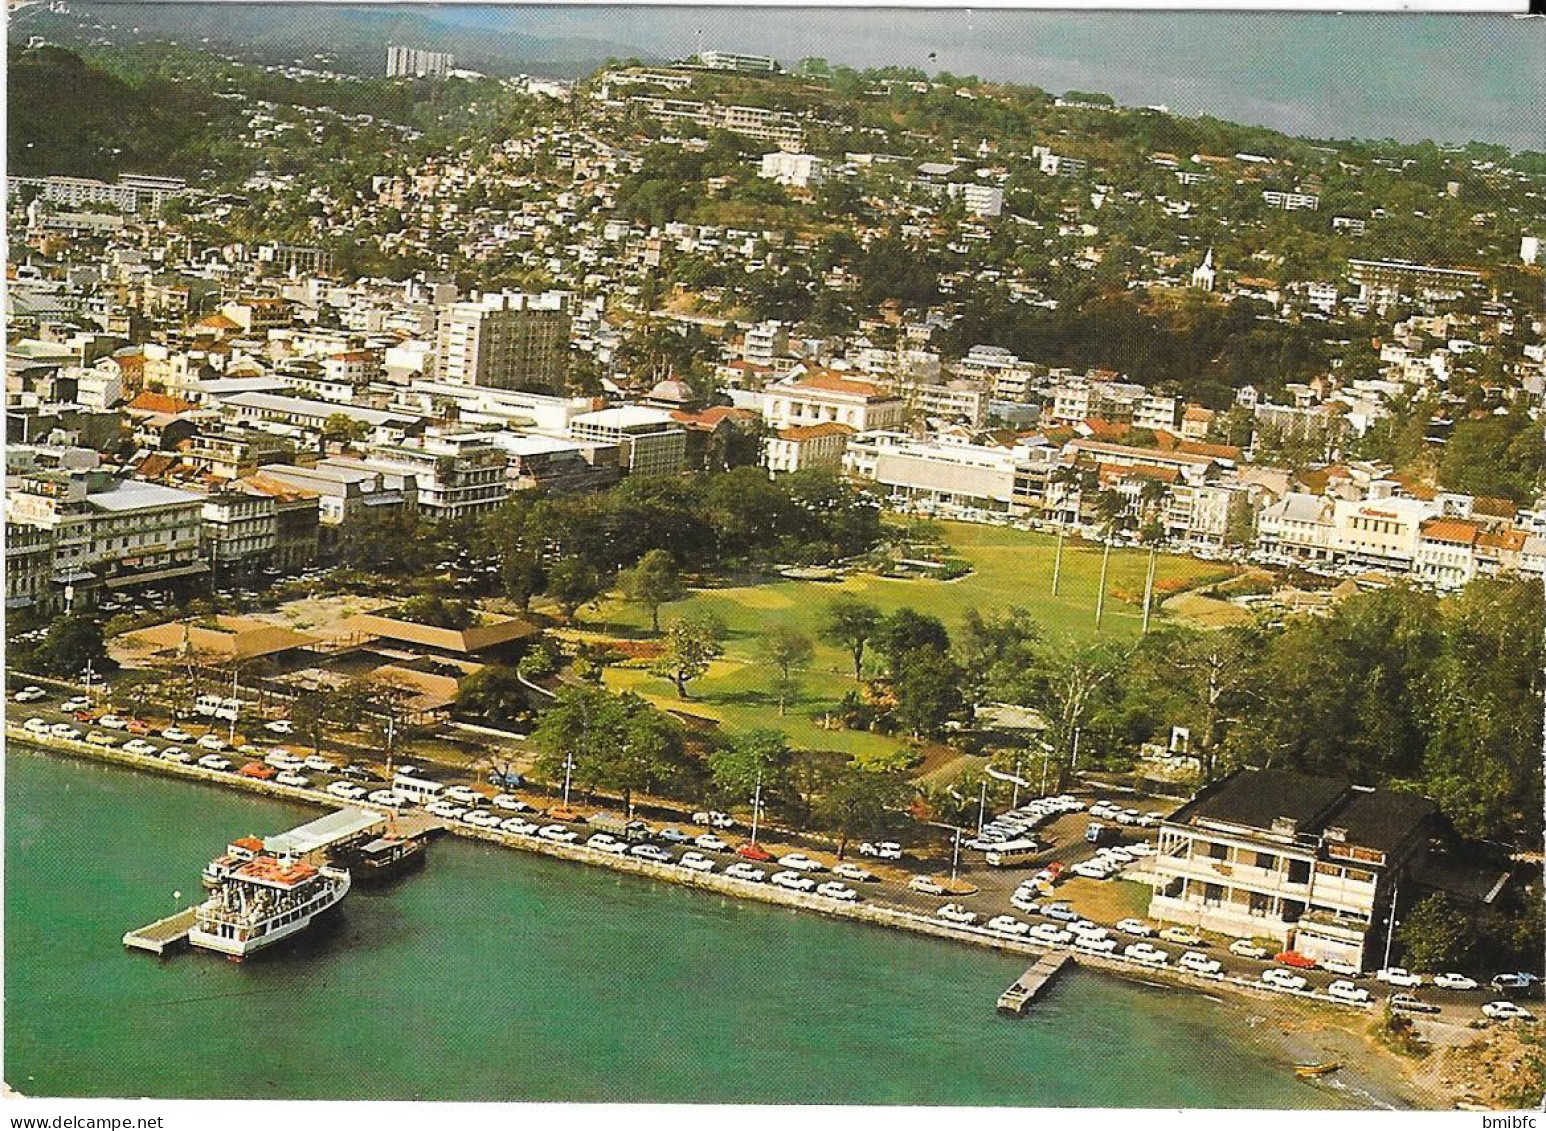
1409, 1003
176, 734
1062, 912
320, 764
1506, 1011
852, 872
1245, 948
212, 742
30, 694
1454, 982
557, 834
1008, 925
881, 850
1511, 982
740, 870
293, 779
1198, 963
1185, 936
518, 826
210, 761
754, 851
1049, 934
113, 722
76, 703
1280, 979
66, 731
713, 818
36, 726
347, 790
1296, 960
696, 862
1095, 945
1025, 900
1345, 991
387, 797
1340, 967
799, 862
139, 746
1146, 954
955, 913
650, 852
673, 835
925, 885
101, 738
832, 889
279, 726
1135, 927
711, 843
175, 754
1399, 976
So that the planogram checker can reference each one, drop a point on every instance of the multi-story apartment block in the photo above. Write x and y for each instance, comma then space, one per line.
1299, 526
415, 62
1446, 552
765, 343
505, 341
134, 192
296, 520
814, 397
979, 200
241, 532
1292, 201
805, 446
349, 497
964, 401
108, 531
936, 474
1309, 862
796, 170
733, 61
232, 452
650, 441
29, 567
459, 475
1381, 282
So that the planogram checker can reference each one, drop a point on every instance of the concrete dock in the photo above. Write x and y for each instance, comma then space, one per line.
163, 934
1018, 997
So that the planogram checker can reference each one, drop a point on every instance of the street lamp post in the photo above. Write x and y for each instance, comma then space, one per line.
568, 772
757, 805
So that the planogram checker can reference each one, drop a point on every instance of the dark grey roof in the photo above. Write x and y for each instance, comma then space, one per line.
1255, 798
1382, 819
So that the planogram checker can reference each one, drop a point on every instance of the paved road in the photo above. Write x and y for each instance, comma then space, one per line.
994, 886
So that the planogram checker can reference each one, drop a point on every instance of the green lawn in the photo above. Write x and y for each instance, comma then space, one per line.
1010, 567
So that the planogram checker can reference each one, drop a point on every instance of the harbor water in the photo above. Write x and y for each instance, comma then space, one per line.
493, 975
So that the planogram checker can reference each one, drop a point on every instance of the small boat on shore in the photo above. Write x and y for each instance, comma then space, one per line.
1311, 1071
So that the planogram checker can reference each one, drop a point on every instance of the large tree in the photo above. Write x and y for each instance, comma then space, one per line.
788, 651
653, 582
928, 691
904, 632
757, 754
851, 624
70, 644
692, 644
859, 803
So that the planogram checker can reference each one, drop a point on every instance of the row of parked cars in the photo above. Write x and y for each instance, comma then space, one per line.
1021, 822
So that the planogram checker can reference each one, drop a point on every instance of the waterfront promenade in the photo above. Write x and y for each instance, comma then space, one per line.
868, 912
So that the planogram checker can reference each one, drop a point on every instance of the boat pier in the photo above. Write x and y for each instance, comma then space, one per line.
163, 934
1018, 997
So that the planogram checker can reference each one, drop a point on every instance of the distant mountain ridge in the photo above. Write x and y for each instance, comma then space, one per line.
353, 37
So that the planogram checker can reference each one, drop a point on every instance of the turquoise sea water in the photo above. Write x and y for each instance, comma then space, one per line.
492, 975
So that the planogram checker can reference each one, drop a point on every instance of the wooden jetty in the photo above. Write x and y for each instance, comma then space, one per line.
163, 934
1018, 997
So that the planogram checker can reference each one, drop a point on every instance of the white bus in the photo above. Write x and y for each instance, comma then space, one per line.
420, 791
1013, 853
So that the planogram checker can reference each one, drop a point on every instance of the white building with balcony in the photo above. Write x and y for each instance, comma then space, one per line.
1308, 862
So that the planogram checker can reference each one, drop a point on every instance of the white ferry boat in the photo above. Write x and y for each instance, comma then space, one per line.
263, 901
237, 853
